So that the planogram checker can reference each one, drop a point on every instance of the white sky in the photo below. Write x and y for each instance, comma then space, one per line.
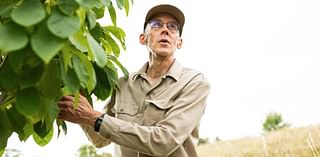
259, 57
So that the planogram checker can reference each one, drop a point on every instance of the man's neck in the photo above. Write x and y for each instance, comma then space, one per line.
157, 68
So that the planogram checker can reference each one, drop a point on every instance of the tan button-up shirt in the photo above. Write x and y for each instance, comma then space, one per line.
159, 120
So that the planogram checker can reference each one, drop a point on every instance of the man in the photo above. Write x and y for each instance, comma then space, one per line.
157, 110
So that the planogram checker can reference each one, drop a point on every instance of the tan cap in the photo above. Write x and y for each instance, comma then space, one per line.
167, 9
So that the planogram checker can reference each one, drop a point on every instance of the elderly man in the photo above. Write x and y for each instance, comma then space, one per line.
157, 110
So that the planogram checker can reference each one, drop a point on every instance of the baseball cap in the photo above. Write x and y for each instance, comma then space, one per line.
167, 9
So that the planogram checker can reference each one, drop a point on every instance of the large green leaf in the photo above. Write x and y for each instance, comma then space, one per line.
62, 25
68, 7
45, 140
28, 102
80, 70
13, 37
29, 13
95, 48
50, 83
45, 44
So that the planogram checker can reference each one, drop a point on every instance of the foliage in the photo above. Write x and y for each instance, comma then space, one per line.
273, 122
50, 48
90, 151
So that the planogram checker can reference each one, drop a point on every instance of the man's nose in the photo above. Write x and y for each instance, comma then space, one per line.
164, 29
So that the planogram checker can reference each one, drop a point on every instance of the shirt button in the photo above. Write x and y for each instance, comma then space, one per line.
121, 109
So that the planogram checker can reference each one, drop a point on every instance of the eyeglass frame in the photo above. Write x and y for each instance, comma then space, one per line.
163, 23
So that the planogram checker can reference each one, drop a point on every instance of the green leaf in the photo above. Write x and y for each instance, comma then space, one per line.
27, 66
45, 44
45, 140
41, 129
28, 102
63, 26
115, 47
29, 13
6, 5
97, 51
28, 130
117, 32
50, 83
70, 80
8, 79
120, 3
113, 15
92, 81
88, 4
66, 55
30, 75
99, 12
97, 32
105, 3
67, 7
2, 151
12, 38
126, 6
61, 125
91, 18
18, 121
79, 41
5, 128
103, 88
80, 70
123, 69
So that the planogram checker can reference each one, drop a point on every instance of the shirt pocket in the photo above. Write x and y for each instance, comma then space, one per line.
155, 111
126, 112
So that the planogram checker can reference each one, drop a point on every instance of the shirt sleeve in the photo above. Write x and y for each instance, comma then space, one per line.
94, 137
169, 133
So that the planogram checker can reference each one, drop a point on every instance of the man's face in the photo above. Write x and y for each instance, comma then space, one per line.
162, 36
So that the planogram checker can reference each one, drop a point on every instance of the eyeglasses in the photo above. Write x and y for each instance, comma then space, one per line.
172, 26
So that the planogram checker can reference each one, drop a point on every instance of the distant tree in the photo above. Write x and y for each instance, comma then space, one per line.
274, 122
90, 151
203, 141
12, 153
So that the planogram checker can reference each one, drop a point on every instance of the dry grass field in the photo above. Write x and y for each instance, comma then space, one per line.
289, 142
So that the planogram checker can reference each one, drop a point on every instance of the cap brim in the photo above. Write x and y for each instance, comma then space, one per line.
166, 9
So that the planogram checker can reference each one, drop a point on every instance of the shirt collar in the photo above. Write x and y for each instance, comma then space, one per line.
174, 71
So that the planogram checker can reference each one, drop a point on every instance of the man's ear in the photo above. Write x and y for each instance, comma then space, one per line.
143, 39
179, 43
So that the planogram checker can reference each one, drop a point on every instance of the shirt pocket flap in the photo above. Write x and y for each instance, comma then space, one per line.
131, 109
162, 105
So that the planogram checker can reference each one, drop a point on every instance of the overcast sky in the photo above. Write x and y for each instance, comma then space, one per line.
259, 57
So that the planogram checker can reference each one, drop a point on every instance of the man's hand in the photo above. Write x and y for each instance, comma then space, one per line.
82, 114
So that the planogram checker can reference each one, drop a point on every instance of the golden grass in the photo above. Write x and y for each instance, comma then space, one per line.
290, 142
